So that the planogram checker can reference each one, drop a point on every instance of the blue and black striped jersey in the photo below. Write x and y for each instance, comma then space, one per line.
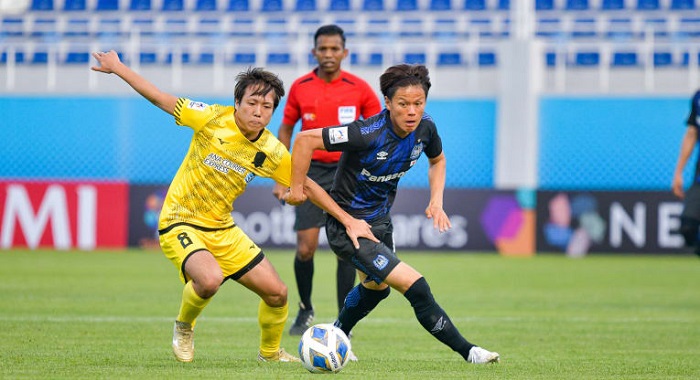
373, 161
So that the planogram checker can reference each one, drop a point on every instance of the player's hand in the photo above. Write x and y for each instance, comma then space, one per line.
677, 186
279, 191
294, 198
441, 221
108, 61
358, 228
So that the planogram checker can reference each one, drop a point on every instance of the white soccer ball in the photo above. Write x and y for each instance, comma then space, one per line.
324, 348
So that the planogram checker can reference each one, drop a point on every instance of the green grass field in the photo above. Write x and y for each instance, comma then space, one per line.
109, 315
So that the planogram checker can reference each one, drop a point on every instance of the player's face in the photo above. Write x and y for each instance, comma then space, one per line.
406, 109
253, 112
329, 52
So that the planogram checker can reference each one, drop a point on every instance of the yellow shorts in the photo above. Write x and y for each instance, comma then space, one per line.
235, 252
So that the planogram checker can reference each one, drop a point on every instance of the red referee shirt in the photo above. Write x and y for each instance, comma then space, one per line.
319, 104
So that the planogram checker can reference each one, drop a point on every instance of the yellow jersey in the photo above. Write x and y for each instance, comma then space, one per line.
219, 164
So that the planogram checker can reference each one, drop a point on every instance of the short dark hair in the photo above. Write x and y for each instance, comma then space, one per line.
265, 80
329, 30
404, 75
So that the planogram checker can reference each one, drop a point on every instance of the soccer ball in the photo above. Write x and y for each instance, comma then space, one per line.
324, 348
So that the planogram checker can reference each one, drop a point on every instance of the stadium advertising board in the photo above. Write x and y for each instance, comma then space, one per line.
482, 220
63, 215
625, 222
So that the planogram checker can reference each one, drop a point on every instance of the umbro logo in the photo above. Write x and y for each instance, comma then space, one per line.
222, 142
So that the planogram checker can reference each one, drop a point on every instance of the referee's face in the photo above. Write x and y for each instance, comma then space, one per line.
406, 109
254, 111
329, 52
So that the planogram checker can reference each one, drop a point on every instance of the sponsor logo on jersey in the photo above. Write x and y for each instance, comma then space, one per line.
346, 114
380, 262
217, 162
381, 178
338, 135
382, 155
309, 116
197, 106
417, 150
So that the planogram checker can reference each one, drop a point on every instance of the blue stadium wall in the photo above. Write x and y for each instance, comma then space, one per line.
585, 143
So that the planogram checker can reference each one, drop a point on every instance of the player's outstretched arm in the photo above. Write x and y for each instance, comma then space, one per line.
304, 145
110, 63
436, 179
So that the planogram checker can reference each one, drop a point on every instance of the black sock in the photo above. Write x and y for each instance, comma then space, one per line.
434, 319
344, 281
304, 272
359, 302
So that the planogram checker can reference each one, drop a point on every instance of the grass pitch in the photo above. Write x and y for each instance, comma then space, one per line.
90, 315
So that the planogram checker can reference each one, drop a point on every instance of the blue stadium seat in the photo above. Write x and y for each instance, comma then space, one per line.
678, 5
77, 57
415, 58
238, 6
372, 5
40, 57
576, 5
503, 5
205, 6
173, 5
243, 58
42, 5
689, 27
148, 57
587, 58
482, 26
686, 59
550, 58
624, 59
440, 5
12, 27
107, 5
474, 5
272, 6
279, 58
663, 58
305, 6
486, 59
544, 5
406, 5
18, 57
339, 5
184, 56
612, 5
648, 5
449, 59
74, 5
445, 28
658, 25
140, 5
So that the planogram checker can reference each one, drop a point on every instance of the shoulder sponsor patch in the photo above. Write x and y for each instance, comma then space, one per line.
338, 135
197, 106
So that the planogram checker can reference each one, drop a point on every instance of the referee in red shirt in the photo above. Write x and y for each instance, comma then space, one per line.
327, 96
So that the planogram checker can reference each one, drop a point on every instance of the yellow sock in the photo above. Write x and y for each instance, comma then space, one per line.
192, 305
271, 321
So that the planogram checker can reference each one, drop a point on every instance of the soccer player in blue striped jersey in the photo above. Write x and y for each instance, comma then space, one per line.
377, 152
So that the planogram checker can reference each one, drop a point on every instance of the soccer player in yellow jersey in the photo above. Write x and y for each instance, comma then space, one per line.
230, 146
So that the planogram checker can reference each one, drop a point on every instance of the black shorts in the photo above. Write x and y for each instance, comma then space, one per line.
307, 214
376, 260
691, 202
